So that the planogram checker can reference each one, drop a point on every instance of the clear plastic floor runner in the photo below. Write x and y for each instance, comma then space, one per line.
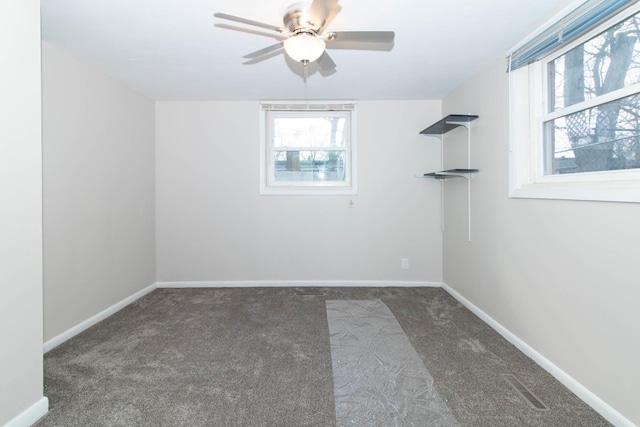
379, 379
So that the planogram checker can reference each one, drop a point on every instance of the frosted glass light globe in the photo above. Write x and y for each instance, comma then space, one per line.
304, 47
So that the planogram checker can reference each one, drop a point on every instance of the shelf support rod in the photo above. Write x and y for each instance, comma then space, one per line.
467, 125
469, 179
441, 138
442, 184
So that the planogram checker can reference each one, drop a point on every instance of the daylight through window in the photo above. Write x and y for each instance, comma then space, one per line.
575, 106
593, 108
308, 149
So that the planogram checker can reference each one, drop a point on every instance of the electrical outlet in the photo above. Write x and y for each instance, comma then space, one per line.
404, 263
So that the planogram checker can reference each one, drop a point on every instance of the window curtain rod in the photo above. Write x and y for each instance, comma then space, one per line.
574, 24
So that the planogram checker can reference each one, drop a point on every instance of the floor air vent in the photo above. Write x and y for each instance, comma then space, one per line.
525, 392
309, 291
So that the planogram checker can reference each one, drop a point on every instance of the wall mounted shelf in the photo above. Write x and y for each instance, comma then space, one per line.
438, 129
448, 123
452, 173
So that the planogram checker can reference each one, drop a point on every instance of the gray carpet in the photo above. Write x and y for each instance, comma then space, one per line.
262, 357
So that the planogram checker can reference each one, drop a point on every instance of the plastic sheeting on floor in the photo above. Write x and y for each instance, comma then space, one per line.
379, 379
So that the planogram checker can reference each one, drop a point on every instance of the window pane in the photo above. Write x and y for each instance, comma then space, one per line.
607, 62
597, 139
309, 166
312, 132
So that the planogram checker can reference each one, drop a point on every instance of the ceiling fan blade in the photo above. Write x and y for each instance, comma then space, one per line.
362, 36
325, 62
250, 22
268, 49
251, 31
263, 57
322, 13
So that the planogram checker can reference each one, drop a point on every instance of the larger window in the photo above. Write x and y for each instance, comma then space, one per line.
308, 149
576, 117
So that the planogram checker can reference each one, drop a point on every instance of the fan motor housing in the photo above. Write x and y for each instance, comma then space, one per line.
296, 18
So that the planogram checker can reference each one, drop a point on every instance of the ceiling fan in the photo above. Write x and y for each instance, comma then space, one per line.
304, 36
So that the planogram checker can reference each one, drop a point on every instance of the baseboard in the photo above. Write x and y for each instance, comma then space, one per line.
297, 283
56, 341
610, 414
31, 414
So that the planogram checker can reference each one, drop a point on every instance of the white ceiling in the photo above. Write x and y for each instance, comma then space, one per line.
173, 49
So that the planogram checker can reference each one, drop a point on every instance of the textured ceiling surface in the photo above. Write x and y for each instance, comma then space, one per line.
177, 50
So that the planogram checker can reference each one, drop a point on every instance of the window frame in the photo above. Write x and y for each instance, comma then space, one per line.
271, 110
528, 102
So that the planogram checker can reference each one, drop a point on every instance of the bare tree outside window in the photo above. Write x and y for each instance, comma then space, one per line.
603, 136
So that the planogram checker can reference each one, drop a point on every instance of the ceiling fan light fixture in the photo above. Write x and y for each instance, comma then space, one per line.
304, 47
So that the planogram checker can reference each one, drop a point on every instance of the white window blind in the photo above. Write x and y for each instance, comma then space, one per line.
316, 106
574, 24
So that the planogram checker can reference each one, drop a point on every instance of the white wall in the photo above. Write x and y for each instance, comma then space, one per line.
99, 191
20, 213
213, 225
561, 275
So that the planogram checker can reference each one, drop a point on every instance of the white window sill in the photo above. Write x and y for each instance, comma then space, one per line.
310, 191
610, 191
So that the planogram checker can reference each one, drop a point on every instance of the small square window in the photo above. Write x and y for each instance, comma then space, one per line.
308, 149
